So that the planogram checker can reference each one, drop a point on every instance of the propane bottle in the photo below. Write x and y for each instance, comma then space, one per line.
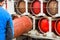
22, 25
43, 25
53, 25
52, 7
36, 7
45, 7
21, 7
30, 6
57, 27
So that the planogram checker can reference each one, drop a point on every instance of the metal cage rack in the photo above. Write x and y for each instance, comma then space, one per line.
34, 34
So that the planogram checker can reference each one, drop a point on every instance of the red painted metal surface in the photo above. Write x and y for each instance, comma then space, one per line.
57, 27
22, 25
21, 7
52, 7
36, 7
44, 7
29, 7
53, 25
43, 25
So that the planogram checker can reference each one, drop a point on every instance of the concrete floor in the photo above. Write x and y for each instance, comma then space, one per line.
14, 39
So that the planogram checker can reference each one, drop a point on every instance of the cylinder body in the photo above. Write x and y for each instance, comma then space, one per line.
21, 7
43, 25
22, 25
52, 7
57, 27
36, 7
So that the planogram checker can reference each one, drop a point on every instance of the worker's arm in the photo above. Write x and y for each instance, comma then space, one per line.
10, 29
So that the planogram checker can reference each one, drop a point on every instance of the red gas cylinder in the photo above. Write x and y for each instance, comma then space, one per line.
57, 27
53, 25
43, 25
29, 7
52, 7
44, 7
22, 25
36, 7
21, 7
